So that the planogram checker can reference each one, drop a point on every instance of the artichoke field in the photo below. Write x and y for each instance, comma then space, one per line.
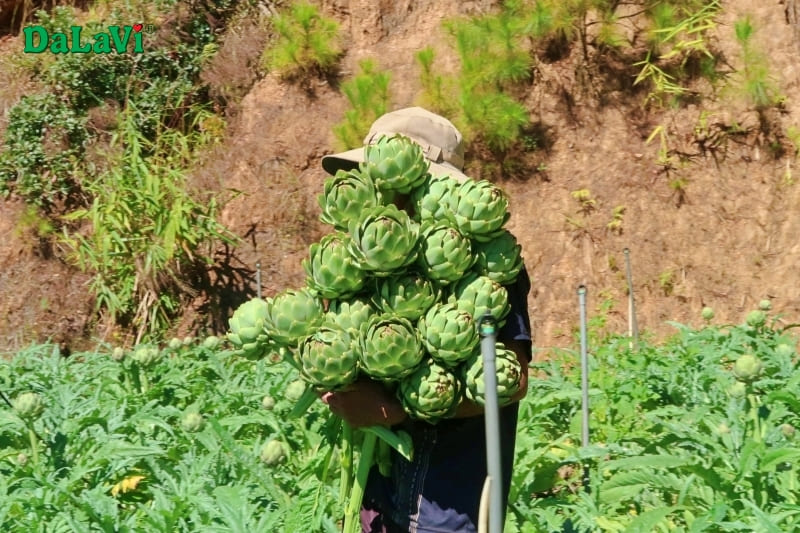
395, 294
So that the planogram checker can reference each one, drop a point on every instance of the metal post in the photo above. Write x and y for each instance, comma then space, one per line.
633, 326
584, 380
258, 279
492, 419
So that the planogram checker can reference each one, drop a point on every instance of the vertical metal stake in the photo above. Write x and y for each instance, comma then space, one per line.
487, 329
258, 279
584, 380
633, 326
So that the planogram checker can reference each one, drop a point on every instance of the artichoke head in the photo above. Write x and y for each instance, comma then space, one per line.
293, 315
408, 295
499, 259
390, 347
247, 328
384, 240
431, 392
508, 371
331, 271
345, 195
146, 355
448, 333
395, 163
445, 254
747, 368
432, 199
478, 294
349, 315
329, 358
479, 209
28, 406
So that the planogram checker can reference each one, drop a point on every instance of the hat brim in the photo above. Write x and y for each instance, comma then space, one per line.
350, 160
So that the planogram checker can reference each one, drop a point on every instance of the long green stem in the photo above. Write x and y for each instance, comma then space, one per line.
34, 445
347, 462
352, 518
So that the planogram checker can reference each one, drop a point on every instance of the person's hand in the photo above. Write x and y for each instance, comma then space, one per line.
365, 403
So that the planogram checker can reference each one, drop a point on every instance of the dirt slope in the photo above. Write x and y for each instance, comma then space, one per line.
728, 240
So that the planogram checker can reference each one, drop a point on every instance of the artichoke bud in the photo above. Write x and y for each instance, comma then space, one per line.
211, 342
174, 343
349, 315
747, 368
433, 198
293, 315
431, 392
756, 318
784, 350
395, 163
499, 259
737, 390
345, 196
408, 295
765, 305
788, 430
390, 347
445, 254
478, 295
273, 452
331, 272
247, 328
384, 240
28, 406
268, 403
707, 313
192, 422
146, 355
329, 358
508, 371
449, 334
479, 209
118, 354
295, 390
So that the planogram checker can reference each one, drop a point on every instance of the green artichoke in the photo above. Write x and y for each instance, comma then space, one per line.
433, 198
294, 390
747, 368
390, 348
146, 355
330, 358
478, 294
756, 318
478, 209
247, 328
28, 406
508, 371
431, 392
499, 259
192, 422
445, 254
211, 342
293, 315
384, 240
345, 196
273, 452
331, 271
448, 333
408, 295
349, 315
268, 403
395, 163
118, 354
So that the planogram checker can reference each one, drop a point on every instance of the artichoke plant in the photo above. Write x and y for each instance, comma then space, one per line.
448, 333
384, 240
432, 199
407, 295
395, 163
431, 392
390, 348
508, 371
146, 355
247, 328
28, 405
478, 294
345, 196
331, 271
293, 315
329, 358
445, 255
499, 259
478, 209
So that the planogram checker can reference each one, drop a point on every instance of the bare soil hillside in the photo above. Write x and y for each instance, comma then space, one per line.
720, 229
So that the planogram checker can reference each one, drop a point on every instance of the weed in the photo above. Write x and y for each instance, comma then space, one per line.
666, 280
584, 198
615, 224
754, 77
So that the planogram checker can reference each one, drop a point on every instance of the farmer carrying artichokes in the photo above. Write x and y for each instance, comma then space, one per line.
440, 489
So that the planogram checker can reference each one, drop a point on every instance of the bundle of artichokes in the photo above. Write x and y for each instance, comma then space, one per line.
395, 294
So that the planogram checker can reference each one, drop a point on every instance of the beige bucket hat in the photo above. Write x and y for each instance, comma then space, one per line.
441, 142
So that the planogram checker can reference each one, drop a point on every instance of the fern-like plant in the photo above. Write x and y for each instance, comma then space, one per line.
368, 95
308, 43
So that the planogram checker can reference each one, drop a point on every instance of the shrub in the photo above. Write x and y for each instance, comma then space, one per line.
368, 94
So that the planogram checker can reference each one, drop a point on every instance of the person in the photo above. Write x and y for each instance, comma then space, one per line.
440, 489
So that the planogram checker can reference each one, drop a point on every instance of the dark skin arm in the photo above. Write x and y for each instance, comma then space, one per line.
368, 402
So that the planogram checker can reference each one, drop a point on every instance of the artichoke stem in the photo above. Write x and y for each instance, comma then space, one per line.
347, 463
34, 444
352, 518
